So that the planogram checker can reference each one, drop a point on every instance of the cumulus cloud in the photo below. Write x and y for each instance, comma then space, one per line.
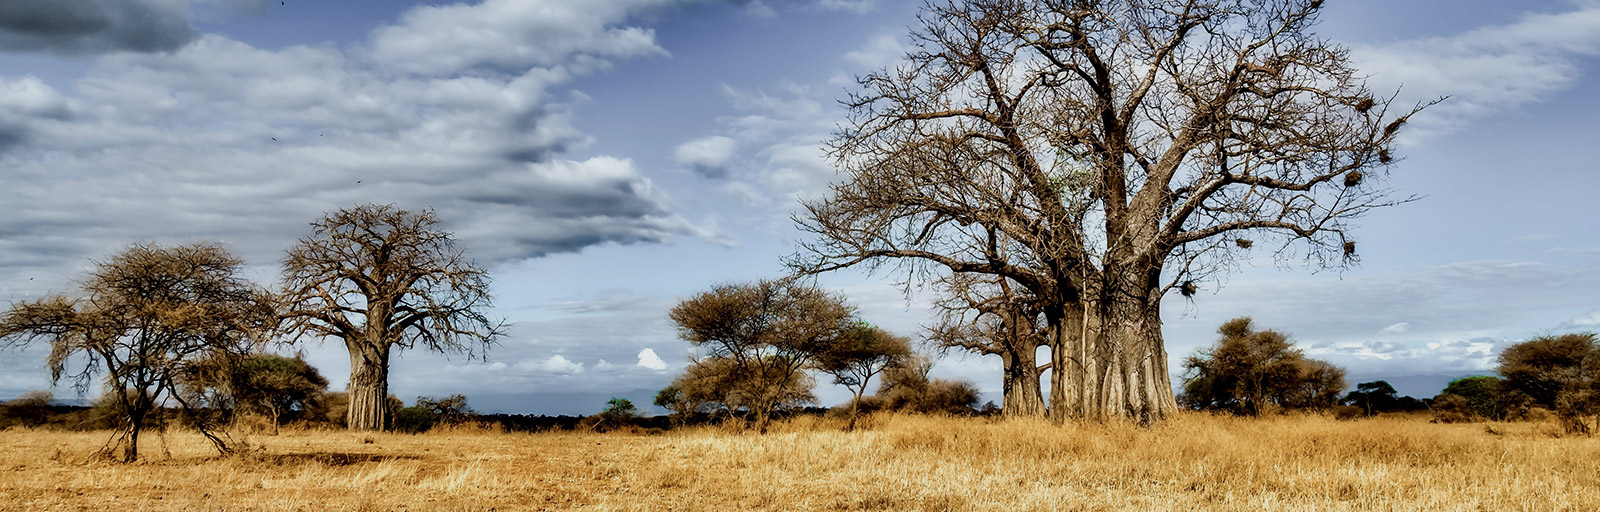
80, 27
224, 141
707, 156
1489, 69
648, 359
557, 364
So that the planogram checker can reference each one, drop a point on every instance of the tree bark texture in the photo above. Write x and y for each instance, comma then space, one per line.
1022, 395
369, 387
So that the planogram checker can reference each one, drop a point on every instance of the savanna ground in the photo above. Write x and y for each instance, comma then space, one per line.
1196, 462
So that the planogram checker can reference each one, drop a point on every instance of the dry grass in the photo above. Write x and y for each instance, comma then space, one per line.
1196, 462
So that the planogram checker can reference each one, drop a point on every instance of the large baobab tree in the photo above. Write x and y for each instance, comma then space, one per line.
1101, 154
150, 316
382, 278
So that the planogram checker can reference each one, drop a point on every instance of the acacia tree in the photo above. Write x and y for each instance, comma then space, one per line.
1559, 372
381, 278
1250, 371
984, 314
859, 355
148, 316
273, 385
1101, 153
761, 337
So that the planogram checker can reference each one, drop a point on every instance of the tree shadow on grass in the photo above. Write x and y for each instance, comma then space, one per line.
333, 459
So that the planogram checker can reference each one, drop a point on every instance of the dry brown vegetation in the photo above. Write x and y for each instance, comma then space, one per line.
898, 462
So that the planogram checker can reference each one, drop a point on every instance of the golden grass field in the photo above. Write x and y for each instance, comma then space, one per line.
1195, 462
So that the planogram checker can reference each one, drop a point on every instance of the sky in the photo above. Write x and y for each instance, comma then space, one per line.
605, 159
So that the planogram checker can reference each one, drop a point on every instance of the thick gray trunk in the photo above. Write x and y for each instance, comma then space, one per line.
369, 388
1022, 394
1110, 361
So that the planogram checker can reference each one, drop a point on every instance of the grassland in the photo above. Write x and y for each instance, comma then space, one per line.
1196, 462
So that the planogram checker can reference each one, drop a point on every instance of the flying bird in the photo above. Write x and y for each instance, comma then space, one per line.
274, 139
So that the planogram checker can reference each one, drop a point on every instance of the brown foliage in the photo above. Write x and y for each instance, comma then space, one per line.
1561, 373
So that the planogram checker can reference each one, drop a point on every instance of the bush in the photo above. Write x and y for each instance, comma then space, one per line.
415, 420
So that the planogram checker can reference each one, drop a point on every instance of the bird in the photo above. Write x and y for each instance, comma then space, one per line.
274, 139
358, 182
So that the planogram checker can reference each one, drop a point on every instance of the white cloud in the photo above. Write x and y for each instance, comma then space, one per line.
1396, 328
649, 359
1486, 70
513, 35
708, 156
881, 51
1586, 320
559, 365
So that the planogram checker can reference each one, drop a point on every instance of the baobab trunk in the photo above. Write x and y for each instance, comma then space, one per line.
1109, 360
1022, 396
369, 387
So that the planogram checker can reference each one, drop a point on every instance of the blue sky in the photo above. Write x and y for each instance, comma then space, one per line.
607, 158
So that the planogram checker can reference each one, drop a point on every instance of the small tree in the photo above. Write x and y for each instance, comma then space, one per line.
1561, 373
1477, 397
1373, 397
1250, 371
269, 385
619, 411
760, 337
858, 356
450, 410
382, 278
147, 316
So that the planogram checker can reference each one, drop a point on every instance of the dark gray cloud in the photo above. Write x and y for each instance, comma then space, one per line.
79, 27
220, 140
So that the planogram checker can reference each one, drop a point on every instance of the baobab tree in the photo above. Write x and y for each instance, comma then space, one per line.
148, 317
986, 315
1101, 153
381, 278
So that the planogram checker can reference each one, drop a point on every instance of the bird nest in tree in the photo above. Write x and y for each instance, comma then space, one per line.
1243, 243
1349, 248
1353, 178
1188, 288
1364, 105
1384, 156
